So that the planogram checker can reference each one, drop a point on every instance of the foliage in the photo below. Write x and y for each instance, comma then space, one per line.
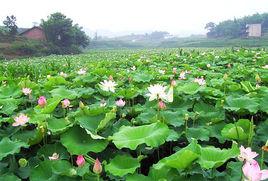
195, 137
236, 28
10, 24
65, 38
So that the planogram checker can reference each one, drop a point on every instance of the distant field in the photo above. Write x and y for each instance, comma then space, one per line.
180, 43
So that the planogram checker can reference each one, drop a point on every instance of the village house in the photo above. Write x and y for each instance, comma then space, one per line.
34, 33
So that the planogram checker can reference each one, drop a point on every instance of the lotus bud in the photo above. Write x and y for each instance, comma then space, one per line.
97, 168
80, 161
225, 76
42, 101
65, 103
72, 172
173, 83
265, 147
81, 105
123, 115
161, 105
23, 162
111, 77
186, 117
258, 78
174, 70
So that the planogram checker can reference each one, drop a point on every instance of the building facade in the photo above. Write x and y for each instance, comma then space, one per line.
34, 33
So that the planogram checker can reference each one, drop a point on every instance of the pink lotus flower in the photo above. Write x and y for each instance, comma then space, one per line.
246, 154
65, 103
42, 101
26, 91
80, 161
120, 103
252, 171
97, 168
161, 105
20, 120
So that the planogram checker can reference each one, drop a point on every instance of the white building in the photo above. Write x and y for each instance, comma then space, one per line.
254, 30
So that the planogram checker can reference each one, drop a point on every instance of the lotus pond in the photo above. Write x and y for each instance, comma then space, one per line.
149, 115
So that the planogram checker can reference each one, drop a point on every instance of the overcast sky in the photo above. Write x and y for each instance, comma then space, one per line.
180, 17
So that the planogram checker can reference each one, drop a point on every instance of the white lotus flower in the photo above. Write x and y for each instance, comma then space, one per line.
162, 72
133, 68
169, 97
156, 92
108, 85
63, 74
55, 156
182, 75
201, 81
81, 72
26, 91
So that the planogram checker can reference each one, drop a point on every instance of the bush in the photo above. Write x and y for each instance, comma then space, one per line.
29, 47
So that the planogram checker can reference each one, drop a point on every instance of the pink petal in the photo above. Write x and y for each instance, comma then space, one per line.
264, 174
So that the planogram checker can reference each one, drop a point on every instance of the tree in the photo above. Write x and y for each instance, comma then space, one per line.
10, 24
63, 35
211, 27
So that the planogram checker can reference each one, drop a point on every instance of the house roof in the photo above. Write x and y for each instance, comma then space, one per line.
25, 30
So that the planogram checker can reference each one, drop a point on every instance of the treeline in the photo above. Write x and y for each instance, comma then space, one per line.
62, 37
236, 28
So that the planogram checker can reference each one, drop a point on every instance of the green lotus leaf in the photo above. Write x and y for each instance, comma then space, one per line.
264, 104
10, 91
212, 157
53, 170
57, 126
234, 173
181, 159
233, 132
9, 177
52, 103
54, 81
242, 103
47, 150
142, 77
30, 137
128, 93
199, 133
188, 88
108, 117
175, 119
122, 165
136, 177
89, 122
63, 93
8, 147
208, 113
78, 142
130, 137
84, 92
9, 105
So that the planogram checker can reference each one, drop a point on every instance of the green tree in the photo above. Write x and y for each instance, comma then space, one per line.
10, 24
63, 35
